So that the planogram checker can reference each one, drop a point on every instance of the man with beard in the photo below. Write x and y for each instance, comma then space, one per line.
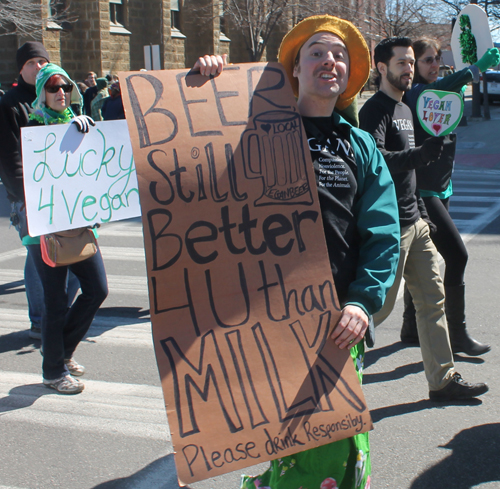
390, 122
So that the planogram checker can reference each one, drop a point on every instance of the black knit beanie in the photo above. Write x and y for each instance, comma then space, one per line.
29, 50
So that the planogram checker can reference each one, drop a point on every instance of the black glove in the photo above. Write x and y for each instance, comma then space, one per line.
83, 122
432, 227
432, 148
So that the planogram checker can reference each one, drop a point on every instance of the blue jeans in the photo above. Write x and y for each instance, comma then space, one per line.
63, 328
32, 284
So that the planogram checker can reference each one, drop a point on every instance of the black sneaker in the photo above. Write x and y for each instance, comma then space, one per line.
35, 333
458, 390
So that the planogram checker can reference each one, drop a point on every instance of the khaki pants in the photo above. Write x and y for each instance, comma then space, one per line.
418, 264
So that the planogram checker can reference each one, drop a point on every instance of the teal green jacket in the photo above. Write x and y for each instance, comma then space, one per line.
377, 222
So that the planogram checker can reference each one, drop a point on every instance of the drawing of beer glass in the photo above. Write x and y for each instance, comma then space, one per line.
273, 151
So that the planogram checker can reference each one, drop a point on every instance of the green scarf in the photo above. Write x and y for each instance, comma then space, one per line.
48, 116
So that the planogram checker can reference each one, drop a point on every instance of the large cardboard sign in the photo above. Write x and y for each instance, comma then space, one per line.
241, 292
478, 34
439, 112
73, 180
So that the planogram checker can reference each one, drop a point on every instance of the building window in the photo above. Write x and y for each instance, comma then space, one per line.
116, 15
222, 17
175, 14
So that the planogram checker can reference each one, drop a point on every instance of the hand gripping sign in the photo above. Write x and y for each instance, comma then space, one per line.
439, 112
241, 293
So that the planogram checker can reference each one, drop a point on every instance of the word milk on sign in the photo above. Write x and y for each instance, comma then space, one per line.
241, 293
439, 112
74, 180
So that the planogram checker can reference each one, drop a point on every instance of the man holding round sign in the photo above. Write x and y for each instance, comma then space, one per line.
436, 105
391, 124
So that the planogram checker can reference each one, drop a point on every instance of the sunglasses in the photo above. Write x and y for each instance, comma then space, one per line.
55, 88
430, 59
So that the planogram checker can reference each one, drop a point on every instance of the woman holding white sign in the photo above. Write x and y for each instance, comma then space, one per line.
434, 184
63, 328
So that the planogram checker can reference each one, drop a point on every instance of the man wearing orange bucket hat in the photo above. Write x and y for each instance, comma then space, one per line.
328, 62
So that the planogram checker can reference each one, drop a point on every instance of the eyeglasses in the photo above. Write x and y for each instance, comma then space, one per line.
55, 88
430, 59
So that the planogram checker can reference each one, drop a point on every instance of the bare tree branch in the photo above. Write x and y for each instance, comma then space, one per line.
28, 19
256, 20
491, 7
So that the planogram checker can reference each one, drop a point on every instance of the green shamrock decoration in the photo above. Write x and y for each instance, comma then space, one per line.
467, 41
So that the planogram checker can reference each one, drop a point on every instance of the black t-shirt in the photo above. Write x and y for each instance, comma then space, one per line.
391, 124
335, 169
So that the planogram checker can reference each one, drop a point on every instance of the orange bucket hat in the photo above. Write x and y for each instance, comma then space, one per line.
359, 55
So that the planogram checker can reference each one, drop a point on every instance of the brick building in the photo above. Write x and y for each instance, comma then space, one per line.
107, 36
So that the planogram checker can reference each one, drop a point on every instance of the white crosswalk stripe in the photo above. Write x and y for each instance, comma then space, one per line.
475, 201
104, 330
126, 409
117, 284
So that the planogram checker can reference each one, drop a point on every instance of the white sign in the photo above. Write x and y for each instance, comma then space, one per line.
480, 30
73, 180
439, 112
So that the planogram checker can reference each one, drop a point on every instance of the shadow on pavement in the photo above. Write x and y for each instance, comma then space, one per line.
160, 474
109, 318
374, 355
18, 340
119, 316
397, 373
476, 360
475, 459
127, 312
413, 407
23, 396
12, 287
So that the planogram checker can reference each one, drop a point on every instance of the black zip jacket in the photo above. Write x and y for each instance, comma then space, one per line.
15, 108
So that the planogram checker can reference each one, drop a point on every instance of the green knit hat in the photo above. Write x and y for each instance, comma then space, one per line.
51, 69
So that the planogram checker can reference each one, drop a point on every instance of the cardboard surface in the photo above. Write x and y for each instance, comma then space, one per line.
480, 30
74, 180
241, 293
439, 112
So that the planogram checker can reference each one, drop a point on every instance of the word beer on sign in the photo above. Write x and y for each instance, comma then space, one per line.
439, 112
74, 180
241, 293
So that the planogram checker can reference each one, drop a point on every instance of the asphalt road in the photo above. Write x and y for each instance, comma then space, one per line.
115, 434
